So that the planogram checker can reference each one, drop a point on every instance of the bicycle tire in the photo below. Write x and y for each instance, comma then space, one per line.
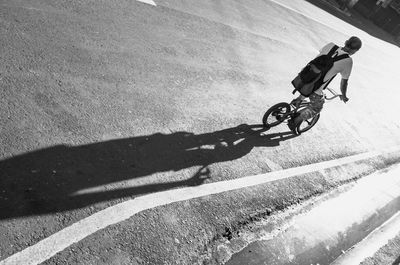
310, 123
276, 114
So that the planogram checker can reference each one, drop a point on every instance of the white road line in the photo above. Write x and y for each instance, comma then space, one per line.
57, 242
150, 2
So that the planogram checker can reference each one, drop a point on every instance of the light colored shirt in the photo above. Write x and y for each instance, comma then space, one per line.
343, 66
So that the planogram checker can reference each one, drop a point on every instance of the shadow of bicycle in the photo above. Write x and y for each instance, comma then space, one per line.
47, 180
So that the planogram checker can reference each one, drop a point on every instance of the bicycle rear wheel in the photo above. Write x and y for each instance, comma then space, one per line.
276, 114
307, 124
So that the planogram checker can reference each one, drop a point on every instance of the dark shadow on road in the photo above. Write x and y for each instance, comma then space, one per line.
45, 181
354, 18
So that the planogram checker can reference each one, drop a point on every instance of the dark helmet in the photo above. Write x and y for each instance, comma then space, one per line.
353, 43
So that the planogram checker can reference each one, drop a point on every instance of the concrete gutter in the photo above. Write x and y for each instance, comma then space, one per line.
375, 241
338, 222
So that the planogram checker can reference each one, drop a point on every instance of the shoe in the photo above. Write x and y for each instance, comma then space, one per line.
292, 126
296, 102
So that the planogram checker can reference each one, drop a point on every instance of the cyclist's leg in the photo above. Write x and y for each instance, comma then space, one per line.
315, 107
298, 100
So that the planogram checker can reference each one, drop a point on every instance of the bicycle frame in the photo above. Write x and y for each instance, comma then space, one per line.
283, 111
307, 102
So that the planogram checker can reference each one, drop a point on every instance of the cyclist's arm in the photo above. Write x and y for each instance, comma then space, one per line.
343, 90
345, 72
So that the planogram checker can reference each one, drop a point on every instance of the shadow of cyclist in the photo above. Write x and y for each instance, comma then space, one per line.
47, 180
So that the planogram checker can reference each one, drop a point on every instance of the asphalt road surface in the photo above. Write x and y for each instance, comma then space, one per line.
103, 102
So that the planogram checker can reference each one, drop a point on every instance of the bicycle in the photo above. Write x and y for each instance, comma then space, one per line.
284, 111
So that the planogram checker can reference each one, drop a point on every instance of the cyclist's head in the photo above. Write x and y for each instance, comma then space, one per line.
353, 44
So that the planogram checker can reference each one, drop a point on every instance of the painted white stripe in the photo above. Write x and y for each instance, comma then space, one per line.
57, 242
150, 2
372, 243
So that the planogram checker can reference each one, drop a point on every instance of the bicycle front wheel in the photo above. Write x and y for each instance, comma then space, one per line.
276, 114
307, 124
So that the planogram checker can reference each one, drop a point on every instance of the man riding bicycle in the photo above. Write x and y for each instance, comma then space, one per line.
342, 66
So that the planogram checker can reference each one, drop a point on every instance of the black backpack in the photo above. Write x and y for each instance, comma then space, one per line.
312, 75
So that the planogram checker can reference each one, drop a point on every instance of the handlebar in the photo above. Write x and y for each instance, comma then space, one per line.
335, 95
